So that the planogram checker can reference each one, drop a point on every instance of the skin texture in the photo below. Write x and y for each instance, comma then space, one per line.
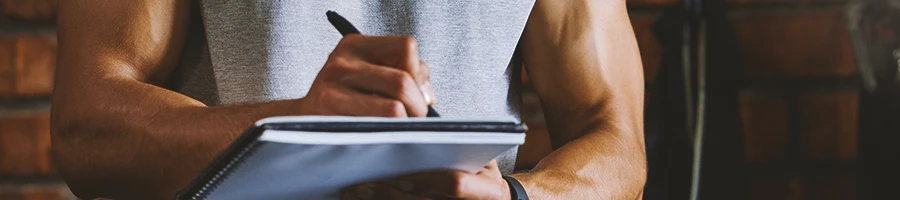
583, 61
590, 83
117, 134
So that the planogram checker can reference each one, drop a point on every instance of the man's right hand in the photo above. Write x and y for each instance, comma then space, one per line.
118, 133
371, 76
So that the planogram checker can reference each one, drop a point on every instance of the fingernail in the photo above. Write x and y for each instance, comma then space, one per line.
405, 186
364, 192
425, 94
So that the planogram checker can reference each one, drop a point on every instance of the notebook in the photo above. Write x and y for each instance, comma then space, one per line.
313, 157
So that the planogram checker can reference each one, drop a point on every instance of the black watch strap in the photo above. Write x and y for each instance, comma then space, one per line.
516, 190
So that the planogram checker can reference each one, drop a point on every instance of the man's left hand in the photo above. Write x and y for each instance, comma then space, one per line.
487, 184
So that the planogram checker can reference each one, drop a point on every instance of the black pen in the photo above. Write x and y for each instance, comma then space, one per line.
345, 28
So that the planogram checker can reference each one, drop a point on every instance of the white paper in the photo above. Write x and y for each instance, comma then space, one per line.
316, 165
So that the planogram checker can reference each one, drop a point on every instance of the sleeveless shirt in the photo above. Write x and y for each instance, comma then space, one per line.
251, 51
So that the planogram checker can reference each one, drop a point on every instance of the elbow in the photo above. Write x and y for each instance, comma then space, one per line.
86, 186
640, 181
81, 188
82, 141
72, 153
82, 153
639, 176
75, 174
78, 163
67, 160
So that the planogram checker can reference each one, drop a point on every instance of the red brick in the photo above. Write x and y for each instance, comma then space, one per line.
29, 10
829, 122
795, 44
651, 50
27, 63
25, 145
29, 192
765, 126
35, 62
7, 69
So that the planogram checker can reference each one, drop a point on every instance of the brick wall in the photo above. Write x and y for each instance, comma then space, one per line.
27, 61
796, 57
806, 46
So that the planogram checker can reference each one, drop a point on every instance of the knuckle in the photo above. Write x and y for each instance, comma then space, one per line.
395, 109
338, 64
349, 40
339, 49
407, 81
337, 61
407, 40
327, 95
457, 182
409, 44
401, 82
424, 71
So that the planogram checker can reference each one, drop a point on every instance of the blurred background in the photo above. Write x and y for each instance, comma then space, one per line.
790, 99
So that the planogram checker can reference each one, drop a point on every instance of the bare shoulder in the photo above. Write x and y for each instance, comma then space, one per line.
144, 35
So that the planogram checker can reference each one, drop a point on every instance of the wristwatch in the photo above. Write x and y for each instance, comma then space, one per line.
516, 190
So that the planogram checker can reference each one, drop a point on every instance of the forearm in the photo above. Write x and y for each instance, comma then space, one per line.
607, 161
137, 140
591, 167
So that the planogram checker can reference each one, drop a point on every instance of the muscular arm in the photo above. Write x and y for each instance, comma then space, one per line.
583, 60
117, 134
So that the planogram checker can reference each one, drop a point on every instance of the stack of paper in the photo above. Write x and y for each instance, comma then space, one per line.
313, 157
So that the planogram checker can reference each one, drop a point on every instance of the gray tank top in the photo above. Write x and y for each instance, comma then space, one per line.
250, 51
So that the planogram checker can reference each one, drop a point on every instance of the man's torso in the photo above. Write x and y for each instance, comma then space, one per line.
251, 51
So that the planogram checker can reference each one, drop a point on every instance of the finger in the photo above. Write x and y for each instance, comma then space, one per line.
346, 101
424, 79
490, 168
445, 182
452, 183
389, 82
449, 183
400, 52
369, 191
